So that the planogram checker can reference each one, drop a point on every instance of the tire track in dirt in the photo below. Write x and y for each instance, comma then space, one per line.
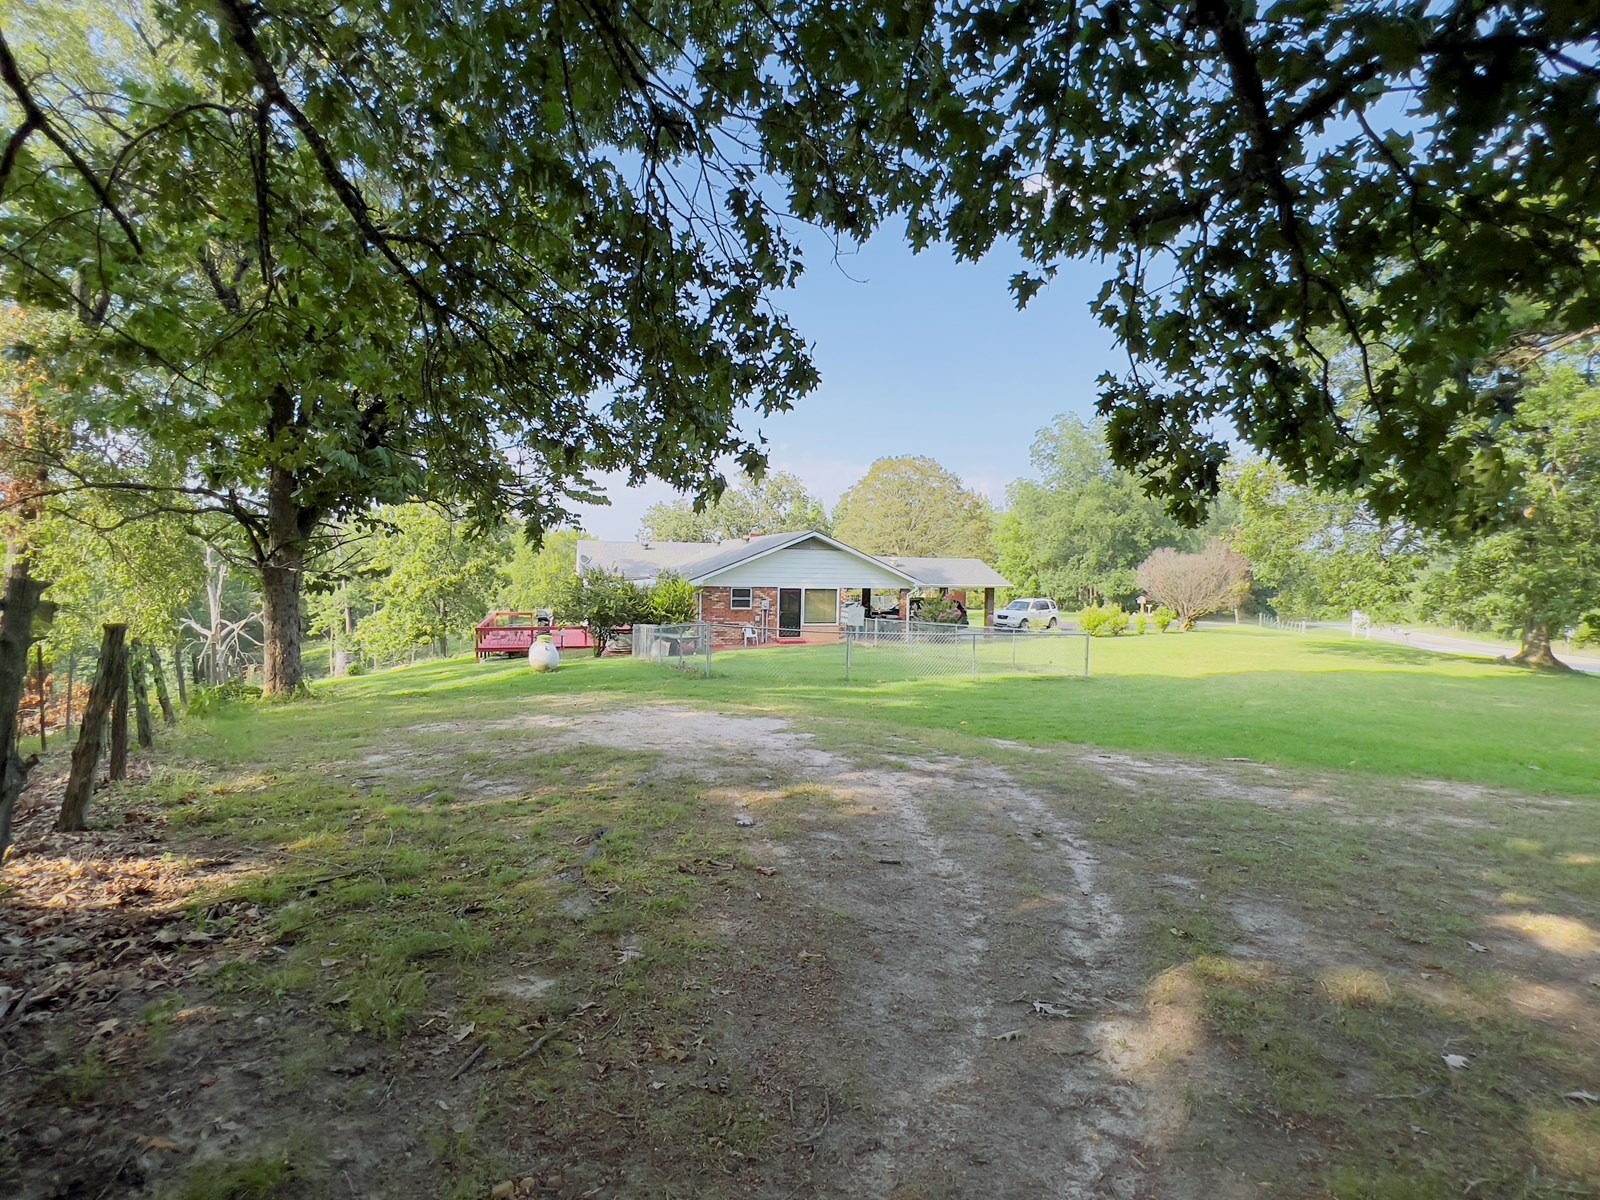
951, 898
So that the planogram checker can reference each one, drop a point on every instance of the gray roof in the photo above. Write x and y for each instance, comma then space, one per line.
951, 572
643, 562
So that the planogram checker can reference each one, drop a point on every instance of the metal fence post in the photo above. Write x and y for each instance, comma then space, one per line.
848, 644
710, 634
974, 654
1086, 656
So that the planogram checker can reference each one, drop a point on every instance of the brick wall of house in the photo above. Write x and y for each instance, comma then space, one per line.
715, 607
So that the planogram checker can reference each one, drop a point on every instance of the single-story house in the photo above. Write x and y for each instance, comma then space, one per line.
801, 585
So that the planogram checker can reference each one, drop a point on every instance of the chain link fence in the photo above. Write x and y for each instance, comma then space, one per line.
879, 652
918, 650
680, 647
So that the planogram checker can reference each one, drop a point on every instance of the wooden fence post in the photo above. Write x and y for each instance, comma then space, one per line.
16, 631
141, 697
44, 708
165, 700
86, 754
177, 669
117, 766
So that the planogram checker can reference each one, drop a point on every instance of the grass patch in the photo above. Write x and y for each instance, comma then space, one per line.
543, 902
259, 1178
1325, 703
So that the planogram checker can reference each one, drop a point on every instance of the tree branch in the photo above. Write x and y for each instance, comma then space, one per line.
34, 115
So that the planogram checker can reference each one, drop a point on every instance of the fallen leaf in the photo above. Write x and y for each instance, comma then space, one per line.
766, 870
1456, 1062
462, 1032
331, 962
1009, 1035
1584, 1097
161, 1143
1477, 947
1050, 1010
745, 821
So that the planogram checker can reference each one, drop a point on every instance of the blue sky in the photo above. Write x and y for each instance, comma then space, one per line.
920, 354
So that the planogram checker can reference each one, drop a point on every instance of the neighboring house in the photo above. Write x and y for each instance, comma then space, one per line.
783, 586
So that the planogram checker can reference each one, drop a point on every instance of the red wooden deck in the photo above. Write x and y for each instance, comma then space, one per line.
511, 633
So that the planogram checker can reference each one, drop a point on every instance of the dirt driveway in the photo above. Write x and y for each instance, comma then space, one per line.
983, 1029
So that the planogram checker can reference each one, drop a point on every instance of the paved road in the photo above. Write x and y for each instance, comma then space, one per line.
1442, 644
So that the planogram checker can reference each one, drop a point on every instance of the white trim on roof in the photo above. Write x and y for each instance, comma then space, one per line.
709, 577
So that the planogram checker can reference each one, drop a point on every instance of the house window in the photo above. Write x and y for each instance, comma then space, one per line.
741, 598
822, 606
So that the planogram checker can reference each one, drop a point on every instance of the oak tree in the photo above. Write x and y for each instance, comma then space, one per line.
1079, 527
1313, 213
778, 502
912, 506
1323, 554
331, 257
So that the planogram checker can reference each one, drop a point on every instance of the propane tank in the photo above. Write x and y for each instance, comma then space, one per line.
543, 655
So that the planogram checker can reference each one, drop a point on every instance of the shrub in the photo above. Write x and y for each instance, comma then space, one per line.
603, 601
1164, 616
1588, 631
941, 610
673, 601
1103, 620
1140, 625
234, 692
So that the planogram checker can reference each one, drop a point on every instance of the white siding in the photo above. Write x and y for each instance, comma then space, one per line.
810, 564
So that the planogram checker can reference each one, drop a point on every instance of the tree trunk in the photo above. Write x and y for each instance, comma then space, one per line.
16, 631
177, 669
44, 703
141, 698
117, 764
162, 698
344, 657
282, 671
1535, 651
290, 525
72, 670
86, 754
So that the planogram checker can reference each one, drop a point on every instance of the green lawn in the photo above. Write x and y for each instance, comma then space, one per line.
1321, 703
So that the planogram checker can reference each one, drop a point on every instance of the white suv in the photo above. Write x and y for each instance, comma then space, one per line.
1030, 611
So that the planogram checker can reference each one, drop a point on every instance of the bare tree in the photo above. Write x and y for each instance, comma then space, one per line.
1193, 585
222, 651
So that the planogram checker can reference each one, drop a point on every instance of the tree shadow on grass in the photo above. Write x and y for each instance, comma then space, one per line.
1389, 652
